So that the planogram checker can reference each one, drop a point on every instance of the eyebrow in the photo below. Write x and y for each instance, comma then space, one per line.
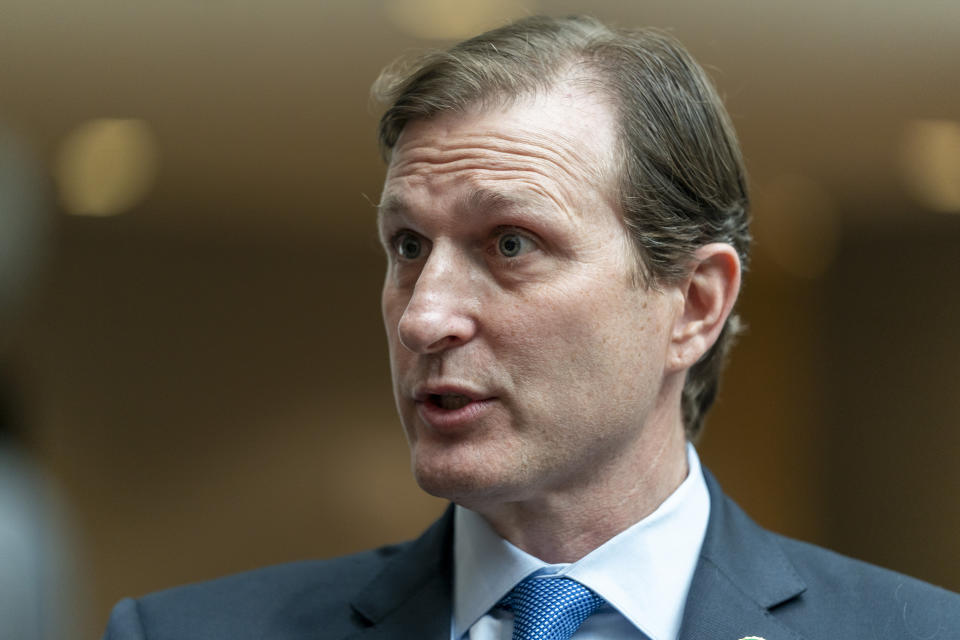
488, 201
392, 205
532, 206
478, 200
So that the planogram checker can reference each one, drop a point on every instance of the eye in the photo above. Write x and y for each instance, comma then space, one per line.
512, 244
407, 245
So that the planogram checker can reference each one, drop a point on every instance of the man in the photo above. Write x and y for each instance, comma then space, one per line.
565, 222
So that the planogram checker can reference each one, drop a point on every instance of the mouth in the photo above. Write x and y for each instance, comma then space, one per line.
447, 396
449, 401
447, 408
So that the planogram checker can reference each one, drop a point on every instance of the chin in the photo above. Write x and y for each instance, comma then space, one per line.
466, 482
449, 483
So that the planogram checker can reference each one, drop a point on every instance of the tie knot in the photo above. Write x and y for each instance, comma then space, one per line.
549, 608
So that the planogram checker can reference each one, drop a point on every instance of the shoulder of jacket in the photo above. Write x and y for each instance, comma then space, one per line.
276, 601
865, 597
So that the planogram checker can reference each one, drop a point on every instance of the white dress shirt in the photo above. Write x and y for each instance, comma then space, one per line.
643, 573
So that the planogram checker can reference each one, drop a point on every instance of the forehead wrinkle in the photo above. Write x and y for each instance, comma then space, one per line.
556, 150
562, 152
539, 182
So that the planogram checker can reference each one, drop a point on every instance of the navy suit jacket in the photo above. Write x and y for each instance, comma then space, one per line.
748, 582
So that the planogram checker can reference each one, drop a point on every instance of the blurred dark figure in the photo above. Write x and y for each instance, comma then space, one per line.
36, 600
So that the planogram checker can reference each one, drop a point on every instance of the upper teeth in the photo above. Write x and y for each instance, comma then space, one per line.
452, 401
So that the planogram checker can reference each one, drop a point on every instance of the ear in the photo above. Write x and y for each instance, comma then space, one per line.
708, 294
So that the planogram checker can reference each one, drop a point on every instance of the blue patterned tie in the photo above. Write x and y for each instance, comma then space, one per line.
549, 608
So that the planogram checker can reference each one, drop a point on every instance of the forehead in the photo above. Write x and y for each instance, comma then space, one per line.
551, 146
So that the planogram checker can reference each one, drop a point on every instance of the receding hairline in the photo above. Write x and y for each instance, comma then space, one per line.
485, 79
577, 73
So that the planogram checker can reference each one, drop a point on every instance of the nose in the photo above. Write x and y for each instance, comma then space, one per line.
439, 314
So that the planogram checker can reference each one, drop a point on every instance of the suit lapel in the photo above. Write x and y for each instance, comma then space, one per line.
411, 597
742, 574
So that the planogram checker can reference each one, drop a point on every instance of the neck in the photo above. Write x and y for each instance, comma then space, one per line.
564, 524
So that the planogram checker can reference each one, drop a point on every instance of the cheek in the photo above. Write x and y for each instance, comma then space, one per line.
580, 344
561, 335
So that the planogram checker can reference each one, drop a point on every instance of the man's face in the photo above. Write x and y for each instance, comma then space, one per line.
525, 360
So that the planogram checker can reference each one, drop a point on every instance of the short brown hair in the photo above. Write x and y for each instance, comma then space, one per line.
682, 183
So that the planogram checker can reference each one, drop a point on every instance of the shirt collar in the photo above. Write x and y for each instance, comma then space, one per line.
643, 572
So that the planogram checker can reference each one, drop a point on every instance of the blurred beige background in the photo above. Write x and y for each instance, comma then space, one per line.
201, 366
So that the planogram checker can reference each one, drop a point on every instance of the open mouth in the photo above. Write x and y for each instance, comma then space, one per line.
448, 401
